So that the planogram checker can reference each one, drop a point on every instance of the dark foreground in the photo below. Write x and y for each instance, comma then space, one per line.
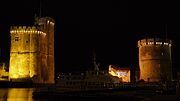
133, 94
82, 96
121, 94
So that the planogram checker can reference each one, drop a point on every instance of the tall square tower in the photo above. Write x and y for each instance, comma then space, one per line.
32, 52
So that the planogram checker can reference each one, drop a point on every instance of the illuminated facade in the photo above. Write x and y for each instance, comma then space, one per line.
122, 73
32, 51
3, 72
155, 59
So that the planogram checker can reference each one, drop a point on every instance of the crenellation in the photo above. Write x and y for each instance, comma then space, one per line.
155, 56
154, 41
27, 29
34, 28
24, 28
34, 43
20, 28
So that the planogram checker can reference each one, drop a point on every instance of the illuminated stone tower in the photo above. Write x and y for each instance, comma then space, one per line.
32, 52
155, 59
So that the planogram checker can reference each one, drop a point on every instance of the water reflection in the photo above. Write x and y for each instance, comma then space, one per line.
3, 94
16, 94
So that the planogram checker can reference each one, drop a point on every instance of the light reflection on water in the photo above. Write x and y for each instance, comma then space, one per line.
16, 94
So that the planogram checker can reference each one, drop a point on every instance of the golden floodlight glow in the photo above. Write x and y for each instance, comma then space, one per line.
123, 74
32, 52
155, 60
165, 43
16, 71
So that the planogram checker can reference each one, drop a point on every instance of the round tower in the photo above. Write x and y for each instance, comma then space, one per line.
24, 52
155, 59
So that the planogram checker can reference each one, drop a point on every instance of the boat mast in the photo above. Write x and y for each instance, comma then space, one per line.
96, 66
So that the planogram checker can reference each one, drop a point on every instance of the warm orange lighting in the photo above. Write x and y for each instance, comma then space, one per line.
23, 53
32, 52
19, 94
155, 59
20, 68
122, 73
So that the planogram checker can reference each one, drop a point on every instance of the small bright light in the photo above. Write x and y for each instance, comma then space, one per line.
52, 23
165, 43
150, 43
158, 43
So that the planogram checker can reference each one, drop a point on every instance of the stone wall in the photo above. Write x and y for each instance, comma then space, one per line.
155, 59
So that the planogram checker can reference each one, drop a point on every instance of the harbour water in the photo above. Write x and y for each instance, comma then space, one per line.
25, 94
16, 94
19, 94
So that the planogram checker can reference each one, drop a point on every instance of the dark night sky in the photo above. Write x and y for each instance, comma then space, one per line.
111, 28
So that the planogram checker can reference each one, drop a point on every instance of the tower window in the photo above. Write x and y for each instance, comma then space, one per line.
16, 38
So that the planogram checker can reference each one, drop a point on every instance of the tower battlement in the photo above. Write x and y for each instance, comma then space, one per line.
32, 52
154, 41
155, 59
26, 29
23, 28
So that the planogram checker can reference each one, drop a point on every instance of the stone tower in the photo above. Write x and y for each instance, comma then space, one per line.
155, 59
32, 52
